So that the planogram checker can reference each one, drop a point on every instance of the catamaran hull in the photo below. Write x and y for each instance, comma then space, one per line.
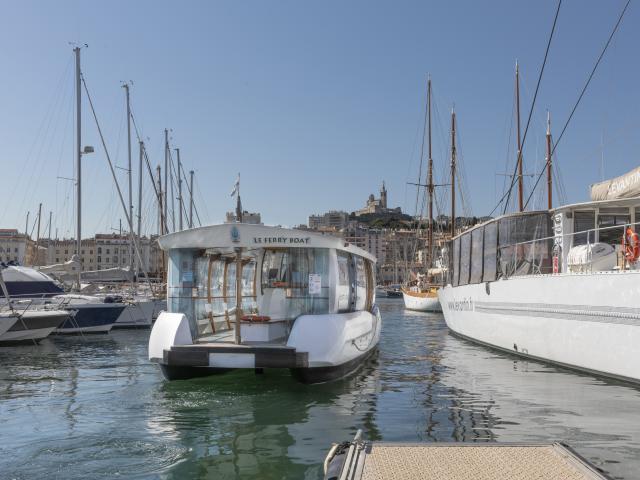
138, 314
320, 348
421, 303
585, 322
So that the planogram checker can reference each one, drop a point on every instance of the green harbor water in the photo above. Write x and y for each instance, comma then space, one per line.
94, 407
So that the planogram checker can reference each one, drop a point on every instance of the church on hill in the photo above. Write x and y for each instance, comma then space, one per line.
377, 205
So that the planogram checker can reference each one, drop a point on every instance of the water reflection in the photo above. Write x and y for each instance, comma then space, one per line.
95, 407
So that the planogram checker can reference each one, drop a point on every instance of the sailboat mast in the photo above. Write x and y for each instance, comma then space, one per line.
430, 182
141, 145
129, 171
179, 188
38, 234
549, 176
160, 211
166, 180
520, 182
453, 174
78, 160
191, 199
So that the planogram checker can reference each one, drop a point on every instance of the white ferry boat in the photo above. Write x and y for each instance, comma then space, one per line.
561, 285
306, 302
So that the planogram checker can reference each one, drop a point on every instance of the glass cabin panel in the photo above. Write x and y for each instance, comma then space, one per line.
455, 260
477, 254
181, 285
294, 281
490, 252
343, 287
361, 284
611, 224
584, 224
465, 254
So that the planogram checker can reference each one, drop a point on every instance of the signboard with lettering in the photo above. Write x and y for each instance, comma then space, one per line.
315, 284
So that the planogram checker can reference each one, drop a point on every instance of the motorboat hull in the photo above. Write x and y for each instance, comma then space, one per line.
137, 314
91, 318
6, 322
33, 326
589, 322
421, 301
320, 348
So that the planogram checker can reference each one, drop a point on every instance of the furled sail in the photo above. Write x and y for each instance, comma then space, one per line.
624, 186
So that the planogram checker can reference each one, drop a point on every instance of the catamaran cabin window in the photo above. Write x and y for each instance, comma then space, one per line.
477, 255
608, 219
465, 254
583, 227
343, 289
490, 251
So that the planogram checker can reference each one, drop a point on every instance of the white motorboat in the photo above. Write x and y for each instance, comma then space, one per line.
88, 313
307, 303
7, 319
561, 286
138, 313
33, 325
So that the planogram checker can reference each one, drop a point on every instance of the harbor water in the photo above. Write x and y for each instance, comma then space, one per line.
94, 407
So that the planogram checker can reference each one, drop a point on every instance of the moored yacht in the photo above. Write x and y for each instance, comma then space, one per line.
306, 302
89, 314
561, 285
32, 325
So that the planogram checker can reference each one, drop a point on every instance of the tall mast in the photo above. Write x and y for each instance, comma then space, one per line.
520, 183
129, 171
78, 160
179, 188
141, 145
173, 196
453, 174
38, 234
549, 160
160, 211
50, 220
26, 225
430, 180
191, 199
166, 178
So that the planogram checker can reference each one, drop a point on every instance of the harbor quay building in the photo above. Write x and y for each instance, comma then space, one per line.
16, 247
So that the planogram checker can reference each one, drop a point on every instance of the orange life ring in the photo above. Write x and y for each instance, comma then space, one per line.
631, 243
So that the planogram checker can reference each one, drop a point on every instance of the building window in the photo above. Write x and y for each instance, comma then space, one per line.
99, 250
66, 252
115, 250
57, 260
82, 252
99, 259
108, 252
90, 252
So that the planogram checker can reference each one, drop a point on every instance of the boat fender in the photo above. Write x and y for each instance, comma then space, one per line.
334, 462
631, 244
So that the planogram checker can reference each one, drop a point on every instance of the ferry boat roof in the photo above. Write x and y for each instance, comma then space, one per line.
233, 235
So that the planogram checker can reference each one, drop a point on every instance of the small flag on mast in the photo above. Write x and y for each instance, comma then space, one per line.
236, 186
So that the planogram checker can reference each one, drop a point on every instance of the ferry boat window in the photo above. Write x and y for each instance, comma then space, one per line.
361, 284
582, 222
343, 289
302, 277
608, 218
477, 254
490, 252
465, 254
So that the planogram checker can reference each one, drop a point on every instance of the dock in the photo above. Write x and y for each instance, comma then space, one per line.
359, 460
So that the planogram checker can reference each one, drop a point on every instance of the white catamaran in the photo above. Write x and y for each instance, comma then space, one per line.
306, 302
561, 285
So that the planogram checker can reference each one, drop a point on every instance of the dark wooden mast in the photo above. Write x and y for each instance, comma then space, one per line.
453, 173
549, 162
520, 183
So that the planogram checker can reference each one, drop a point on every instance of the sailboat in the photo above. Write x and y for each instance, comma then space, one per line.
421, 294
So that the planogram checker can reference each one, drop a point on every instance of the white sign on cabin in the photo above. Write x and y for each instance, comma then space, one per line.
315, 284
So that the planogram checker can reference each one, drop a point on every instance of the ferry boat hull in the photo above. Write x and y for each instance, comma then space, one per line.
587, 322
320, 348
421, 301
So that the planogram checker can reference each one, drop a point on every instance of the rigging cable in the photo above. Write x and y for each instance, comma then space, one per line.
584, 89
507, 195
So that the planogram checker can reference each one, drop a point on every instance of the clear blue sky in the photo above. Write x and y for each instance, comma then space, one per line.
315, 103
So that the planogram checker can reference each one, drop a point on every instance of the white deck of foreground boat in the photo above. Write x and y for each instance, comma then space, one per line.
472, 462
